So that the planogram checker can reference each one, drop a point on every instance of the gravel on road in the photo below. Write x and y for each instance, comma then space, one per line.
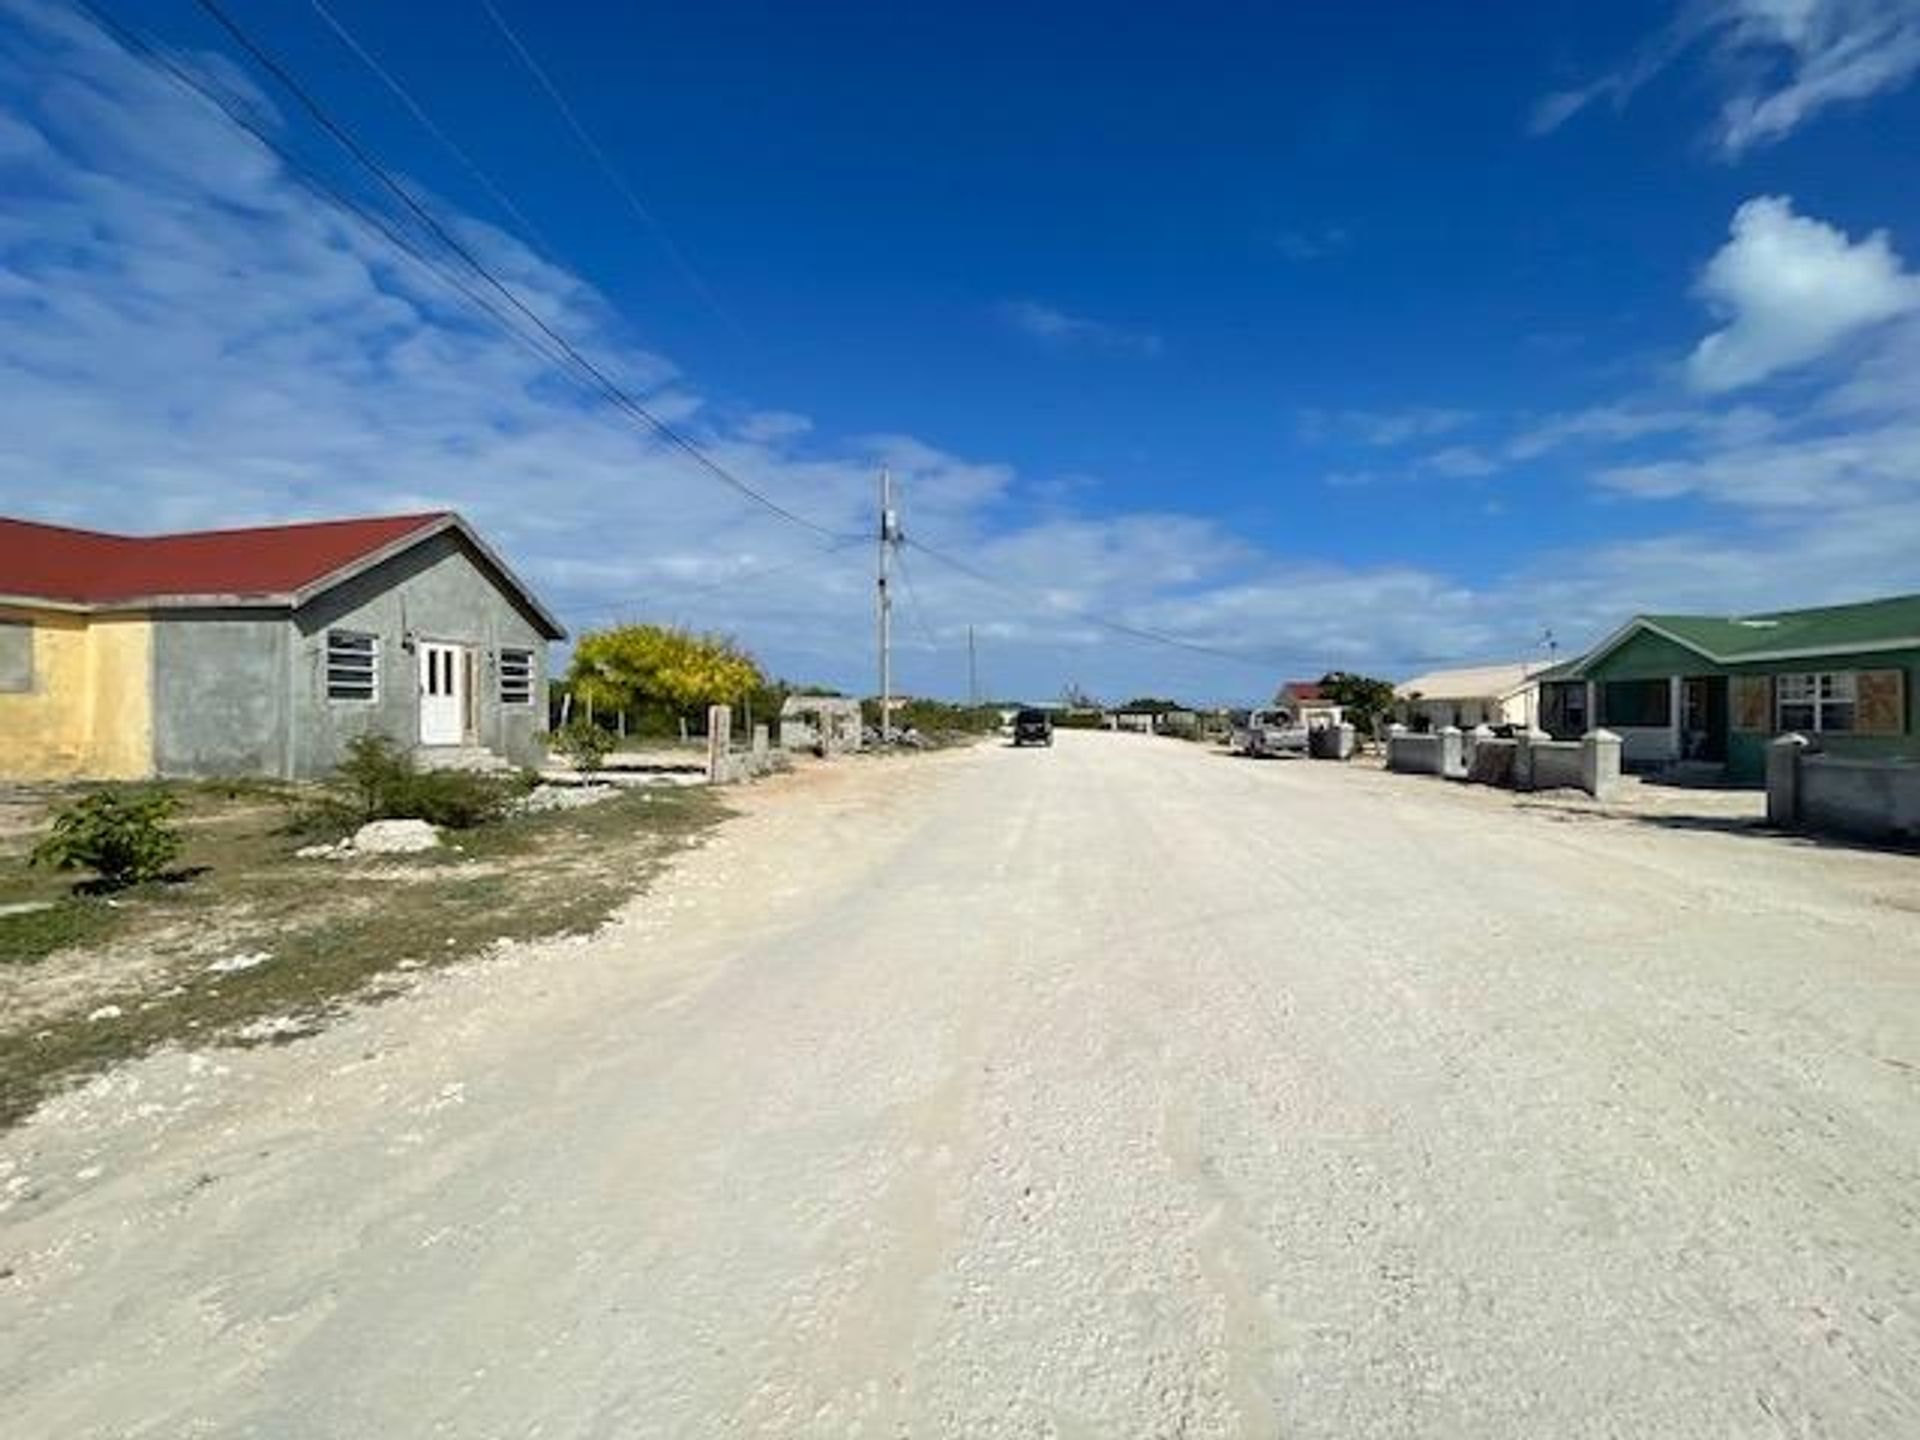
1117, 1089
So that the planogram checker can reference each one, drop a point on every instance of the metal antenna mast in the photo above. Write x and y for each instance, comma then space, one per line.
973, 671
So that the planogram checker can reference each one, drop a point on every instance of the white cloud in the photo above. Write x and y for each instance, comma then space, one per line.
1780, 62
1457, 462
1383, 429
1793, 288
1052, 326
187, 337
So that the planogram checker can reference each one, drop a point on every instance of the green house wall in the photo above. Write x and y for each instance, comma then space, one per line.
1647, 656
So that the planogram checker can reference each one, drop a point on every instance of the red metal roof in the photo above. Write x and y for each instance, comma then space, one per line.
1302, 690
89, 567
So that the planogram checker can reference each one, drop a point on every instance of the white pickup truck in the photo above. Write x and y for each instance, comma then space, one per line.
1270, 732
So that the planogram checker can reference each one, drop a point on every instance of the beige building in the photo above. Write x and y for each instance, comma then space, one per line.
1473, 695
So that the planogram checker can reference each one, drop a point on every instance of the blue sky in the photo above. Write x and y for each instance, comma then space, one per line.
1369, 336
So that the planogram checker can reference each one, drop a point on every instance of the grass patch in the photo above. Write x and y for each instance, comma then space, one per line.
30, 935
330, 929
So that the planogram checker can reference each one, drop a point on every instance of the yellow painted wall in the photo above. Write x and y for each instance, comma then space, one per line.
89, 714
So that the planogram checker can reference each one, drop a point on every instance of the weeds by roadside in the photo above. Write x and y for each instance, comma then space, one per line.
265, 946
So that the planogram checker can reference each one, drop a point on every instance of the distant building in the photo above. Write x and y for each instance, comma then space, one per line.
263, 651
1308, 705
1496, 694
828, 723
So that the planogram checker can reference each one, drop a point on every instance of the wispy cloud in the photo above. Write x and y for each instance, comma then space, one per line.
1302, 245
1779, 63
1052, 326
1382, 429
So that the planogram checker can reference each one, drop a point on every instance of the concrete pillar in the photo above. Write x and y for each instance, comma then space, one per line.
1523, 742
719, 744
1452, 764
1676, 711
1600, 764
1783, 780
1345, 741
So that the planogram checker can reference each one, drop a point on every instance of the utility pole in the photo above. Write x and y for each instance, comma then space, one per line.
973, 671
889, 534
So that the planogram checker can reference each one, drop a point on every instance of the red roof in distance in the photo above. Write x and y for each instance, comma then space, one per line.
89, 567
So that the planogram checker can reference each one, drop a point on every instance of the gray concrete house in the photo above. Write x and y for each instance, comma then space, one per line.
265, 651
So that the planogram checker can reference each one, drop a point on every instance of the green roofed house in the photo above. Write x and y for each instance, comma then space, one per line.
1708, 692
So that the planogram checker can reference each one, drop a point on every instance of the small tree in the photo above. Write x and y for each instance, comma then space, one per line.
642, 668
585, 744
121, 835
1363, 698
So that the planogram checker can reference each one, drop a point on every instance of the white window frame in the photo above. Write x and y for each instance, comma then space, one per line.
524, 679
1816, 693
356, 668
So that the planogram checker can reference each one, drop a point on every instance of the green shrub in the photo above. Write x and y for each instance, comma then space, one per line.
585, 744
378, 781
121, 835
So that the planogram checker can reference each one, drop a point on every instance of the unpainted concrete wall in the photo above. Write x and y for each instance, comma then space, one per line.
220, 692
1415, 754
1558, 765
1872, 799
435, 591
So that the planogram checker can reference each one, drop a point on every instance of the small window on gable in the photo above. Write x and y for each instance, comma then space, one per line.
516, 677
353, 666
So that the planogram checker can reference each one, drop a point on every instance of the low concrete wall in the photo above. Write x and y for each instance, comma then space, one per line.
1557, 764
1529, 761
1831, 794
1412, 754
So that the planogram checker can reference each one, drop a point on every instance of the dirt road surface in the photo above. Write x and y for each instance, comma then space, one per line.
1121, 1089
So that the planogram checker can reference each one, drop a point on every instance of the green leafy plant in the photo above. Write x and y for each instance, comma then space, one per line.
121, 835
584, 744
378, 781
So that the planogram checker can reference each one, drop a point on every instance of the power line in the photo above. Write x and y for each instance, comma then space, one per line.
427, 123
1132, 632
322, 189
914, 607
607, 167
607, 385
765, 572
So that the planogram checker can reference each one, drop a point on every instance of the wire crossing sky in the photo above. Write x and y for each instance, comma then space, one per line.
1208, 351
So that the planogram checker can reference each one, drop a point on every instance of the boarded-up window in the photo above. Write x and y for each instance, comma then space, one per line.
1880, 702
516, 677
16, 657
1752, 702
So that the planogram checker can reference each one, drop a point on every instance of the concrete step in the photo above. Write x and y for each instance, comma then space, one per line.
459, 757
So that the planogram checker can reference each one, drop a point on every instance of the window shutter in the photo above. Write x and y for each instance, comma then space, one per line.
1753, 702
1880, 702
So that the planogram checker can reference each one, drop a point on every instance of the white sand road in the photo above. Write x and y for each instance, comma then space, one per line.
1121, 1089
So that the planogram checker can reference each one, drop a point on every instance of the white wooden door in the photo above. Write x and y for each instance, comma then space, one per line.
443, 683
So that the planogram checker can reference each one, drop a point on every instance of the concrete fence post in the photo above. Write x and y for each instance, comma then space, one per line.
1783, 780
719, 744
1600, 764
1452, 765
1524, 739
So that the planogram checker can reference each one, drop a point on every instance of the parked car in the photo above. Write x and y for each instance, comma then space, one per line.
1032, 727
1270, 732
